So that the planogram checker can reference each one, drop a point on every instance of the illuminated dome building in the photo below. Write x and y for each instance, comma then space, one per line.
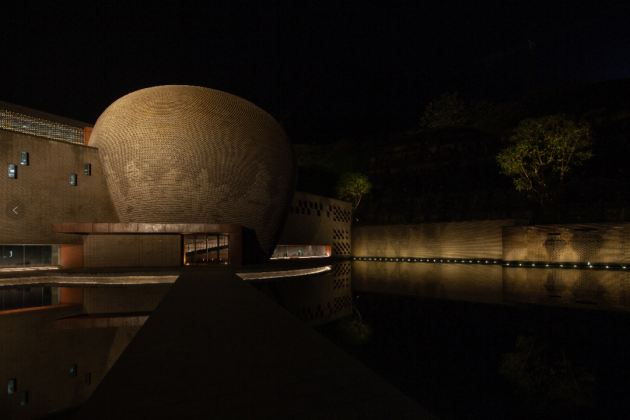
168, 176
186, 154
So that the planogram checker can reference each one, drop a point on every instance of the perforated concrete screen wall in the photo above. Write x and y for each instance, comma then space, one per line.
186, 154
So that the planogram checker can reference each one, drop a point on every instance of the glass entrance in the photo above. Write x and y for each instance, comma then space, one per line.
206, 249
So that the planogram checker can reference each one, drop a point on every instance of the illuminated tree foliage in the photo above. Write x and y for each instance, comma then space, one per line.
353, 186
543, 152
446, 111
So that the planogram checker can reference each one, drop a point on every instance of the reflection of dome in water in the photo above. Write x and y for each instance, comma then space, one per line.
186, 154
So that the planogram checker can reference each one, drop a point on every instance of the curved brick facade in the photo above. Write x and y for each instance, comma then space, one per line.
186, 154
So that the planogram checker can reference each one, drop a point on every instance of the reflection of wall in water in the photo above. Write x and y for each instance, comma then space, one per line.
591, 289
481, 239
316, 299
40, 357
475, 283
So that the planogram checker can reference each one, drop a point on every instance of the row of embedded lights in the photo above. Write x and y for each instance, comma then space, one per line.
512, 264
599, 266
427, 260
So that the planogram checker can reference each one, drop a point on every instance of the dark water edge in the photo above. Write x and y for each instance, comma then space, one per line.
446, 354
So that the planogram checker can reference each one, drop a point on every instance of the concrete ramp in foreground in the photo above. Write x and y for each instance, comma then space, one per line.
217, 348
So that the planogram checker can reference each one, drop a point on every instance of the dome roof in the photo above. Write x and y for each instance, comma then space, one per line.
186, 154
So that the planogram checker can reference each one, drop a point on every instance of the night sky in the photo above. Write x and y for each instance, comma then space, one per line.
325, 70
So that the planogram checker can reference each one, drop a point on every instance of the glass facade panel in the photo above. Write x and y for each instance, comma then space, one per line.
295, 251
202, 249
33, 256
30, 125
206, 249
213, 249
224, 245
14, 256
189, 250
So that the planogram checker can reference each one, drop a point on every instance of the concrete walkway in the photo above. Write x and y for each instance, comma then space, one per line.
216, 348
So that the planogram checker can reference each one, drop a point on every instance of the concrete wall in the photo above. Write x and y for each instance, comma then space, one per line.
317, 220
150, 250
42, 192
593, 242
481, 239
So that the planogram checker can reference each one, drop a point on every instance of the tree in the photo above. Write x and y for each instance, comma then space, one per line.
542, 153
353, 186
446, 111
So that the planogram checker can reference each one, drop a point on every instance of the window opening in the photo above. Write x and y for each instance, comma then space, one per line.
88, 169
12, 171
12, 386
24, 158
73, 179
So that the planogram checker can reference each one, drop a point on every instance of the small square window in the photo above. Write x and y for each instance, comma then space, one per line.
23, 397
73, 179
73, 371
24, 159
12, 171
87, 379
88, 169
12, 387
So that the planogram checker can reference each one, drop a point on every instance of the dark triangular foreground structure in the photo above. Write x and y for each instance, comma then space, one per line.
215, 347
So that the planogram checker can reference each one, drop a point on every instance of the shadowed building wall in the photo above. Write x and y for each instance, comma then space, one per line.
41, 193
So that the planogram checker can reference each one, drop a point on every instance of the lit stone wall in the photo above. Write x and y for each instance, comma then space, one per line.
41, 194
603, 243
150, 250
481, 239
317, 220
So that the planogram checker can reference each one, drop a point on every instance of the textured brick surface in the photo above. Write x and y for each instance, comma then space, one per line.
317, 220
481, 239
185, 154
217, 348
140, 250
42, 190
593, 242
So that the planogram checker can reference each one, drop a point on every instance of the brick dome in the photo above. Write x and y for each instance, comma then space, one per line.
175, 154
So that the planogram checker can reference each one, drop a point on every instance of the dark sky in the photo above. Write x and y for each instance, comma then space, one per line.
327, 70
